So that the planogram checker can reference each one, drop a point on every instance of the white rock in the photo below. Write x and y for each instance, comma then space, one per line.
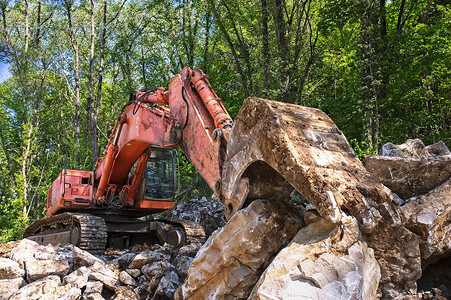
126, 279
10, 269
94, 287
65, 292
146, 257
84, 258
10, 286
37, 289
78, 278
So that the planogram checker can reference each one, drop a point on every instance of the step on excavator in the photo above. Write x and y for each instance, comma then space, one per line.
259, 156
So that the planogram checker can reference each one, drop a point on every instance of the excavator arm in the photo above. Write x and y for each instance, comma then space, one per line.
196, 121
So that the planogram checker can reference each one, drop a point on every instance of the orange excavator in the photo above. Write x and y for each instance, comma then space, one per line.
137, 175
270, 149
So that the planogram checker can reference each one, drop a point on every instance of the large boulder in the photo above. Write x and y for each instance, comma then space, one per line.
410, 169
429, 216
37, 289
323, 261
10, 269
274, 147
41, 261
233, 258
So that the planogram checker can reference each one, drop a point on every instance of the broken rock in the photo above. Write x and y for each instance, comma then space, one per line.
37, 289
231, 261
41, 261
126, 279
78, 278
10, 269
429, 216
84, 258
208, 213
65, 292
310, 267
411, 173
10, 286
146, 257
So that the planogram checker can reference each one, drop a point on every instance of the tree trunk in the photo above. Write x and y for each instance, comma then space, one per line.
280, 26
91, 100
27, 33
76, 69
265, 48
232, 48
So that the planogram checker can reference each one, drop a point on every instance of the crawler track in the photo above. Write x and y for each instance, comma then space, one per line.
91, 232
83, 230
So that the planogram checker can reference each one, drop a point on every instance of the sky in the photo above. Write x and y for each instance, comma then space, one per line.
4, 73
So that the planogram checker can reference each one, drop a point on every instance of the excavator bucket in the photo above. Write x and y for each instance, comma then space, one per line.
276, 147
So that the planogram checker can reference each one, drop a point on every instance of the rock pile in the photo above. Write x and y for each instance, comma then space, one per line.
207, 213
274, 250
33, 271
333, 258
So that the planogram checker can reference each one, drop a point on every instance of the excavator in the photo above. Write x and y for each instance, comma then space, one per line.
137, 176
268, 151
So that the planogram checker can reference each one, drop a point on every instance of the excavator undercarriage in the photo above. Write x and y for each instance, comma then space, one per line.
95, 233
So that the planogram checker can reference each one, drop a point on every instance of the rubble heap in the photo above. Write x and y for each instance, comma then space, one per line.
274, 249
32, 271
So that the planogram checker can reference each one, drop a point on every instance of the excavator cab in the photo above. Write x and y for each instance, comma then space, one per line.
160, 175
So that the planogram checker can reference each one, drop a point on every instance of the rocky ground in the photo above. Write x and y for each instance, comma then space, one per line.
32, 271
270, 249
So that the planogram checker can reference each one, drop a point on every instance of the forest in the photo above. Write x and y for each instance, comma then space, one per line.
380, 69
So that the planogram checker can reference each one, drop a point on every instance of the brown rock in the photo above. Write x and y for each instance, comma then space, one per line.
311, 217
133, 272
276, 146
410, 176
37, 289
232, 259
10, 286
126, 279
10, 269
397, 251
429, 216
125, 293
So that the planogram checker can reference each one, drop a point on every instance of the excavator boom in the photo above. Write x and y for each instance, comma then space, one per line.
135, 177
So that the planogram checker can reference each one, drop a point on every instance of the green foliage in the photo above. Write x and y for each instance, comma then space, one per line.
362, 149
192, 185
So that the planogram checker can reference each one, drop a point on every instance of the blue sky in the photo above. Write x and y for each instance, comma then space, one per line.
4, 73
